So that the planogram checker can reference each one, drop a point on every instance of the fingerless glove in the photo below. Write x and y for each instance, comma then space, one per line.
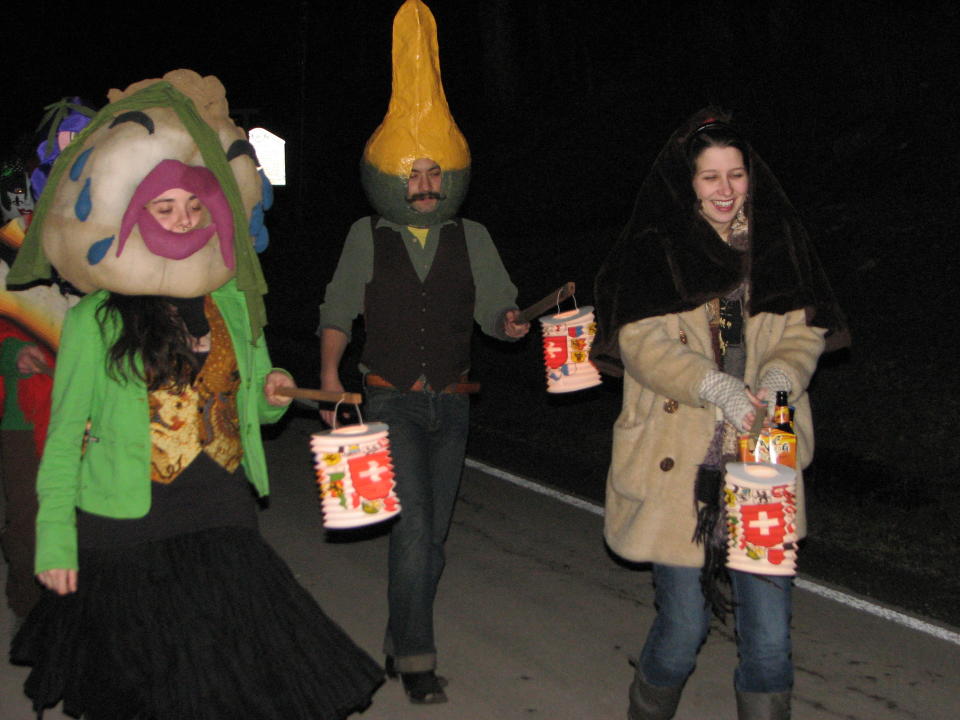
729, 394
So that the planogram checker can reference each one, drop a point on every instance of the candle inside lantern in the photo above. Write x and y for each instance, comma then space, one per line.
760, 470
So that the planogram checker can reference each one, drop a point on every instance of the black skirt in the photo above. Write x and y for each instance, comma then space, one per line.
204, 625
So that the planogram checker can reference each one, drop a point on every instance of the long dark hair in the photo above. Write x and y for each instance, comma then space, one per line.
715, 133
151, 330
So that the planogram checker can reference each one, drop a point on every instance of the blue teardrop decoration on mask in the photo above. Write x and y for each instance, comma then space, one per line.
267, 188
84, 204
78, 164
98, 250
258, 231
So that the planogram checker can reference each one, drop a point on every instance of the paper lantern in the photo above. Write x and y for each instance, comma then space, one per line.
761, 509
567, 338
355, 475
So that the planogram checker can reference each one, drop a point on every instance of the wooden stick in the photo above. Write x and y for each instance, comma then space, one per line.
321, 395
554, 298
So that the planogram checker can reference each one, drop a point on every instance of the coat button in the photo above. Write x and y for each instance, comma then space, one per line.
671, 406
666, 464
683, 337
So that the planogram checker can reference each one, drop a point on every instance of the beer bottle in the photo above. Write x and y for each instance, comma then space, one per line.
783, 439
781, 413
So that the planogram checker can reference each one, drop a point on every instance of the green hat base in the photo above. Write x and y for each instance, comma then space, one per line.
388, 196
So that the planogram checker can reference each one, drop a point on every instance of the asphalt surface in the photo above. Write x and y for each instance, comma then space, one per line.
535, 620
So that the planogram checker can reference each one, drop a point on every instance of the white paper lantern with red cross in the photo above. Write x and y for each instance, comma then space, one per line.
567, 338
760, 500
355, 475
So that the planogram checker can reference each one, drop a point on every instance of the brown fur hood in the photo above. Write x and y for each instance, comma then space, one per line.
668, 259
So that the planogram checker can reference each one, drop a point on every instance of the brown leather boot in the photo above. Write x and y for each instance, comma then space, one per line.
650, 702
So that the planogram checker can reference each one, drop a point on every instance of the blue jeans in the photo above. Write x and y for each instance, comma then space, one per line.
428, 439
762, 611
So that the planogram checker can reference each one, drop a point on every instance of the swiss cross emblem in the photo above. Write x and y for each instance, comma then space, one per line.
372, 475
763, 525
555, 351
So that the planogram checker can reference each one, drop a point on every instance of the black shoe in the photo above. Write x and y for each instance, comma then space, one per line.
390, 667
424, 688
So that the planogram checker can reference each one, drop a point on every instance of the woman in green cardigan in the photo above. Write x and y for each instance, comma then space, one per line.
166, 603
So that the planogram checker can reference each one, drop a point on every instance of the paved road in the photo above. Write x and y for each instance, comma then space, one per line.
536, 621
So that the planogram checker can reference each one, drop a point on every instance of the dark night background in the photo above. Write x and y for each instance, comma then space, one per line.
854, 105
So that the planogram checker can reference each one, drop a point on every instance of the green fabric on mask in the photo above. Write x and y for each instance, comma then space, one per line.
31, 263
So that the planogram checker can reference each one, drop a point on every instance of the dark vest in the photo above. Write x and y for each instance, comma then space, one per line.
418, 328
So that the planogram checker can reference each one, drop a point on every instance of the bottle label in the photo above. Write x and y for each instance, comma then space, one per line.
773, 446
781, 415
783, 448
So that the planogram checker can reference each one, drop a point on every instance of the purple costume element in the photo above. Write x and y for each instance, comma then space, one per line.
49, 150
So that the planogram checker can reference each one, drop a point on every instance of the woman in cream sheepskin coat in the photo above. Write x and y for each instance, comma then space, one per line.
712, 300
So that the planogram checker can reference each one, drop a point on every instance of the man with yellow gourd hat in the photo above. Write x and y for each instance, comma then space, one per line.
420, 275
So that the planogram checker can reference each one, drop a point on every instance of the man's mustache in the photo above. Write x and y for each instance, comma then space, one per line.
426, 196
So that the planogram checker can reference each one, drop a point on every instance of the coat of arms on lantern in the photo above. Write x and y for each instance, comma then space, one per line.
567, 338
355, 475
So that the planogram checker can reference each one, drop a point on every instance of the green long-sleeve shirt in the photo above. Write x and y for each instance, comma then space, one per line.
343, 301
13, 418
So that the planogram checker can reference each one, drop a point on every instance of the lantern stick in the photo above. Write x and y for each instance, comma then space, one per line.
554, 298
321, 395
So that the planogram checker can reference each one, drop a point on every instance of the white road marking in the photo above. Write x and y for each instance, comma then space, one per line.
808, 585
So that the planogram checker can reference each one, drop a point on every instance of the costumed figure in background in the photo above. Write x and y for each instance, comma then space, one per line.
420, 276
166, 603
712, 289
30, 322
16, 200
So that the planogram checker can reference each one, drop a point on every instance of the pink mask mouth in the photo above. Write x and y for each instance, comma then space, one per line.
201, 182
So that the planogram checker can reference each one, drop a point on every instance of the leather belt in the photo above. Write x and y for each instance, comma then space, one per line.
463, 385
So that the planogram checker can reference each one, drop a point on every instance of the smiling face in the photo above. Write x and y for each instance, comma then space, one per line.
720, 182
136, 210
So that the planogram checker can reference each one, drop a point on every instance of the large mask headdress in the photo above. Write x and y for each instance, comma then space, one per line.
91, 222
418, 124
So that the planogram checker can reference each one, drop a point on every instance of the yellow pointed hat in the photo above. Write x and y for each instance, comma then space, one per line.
418, 124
